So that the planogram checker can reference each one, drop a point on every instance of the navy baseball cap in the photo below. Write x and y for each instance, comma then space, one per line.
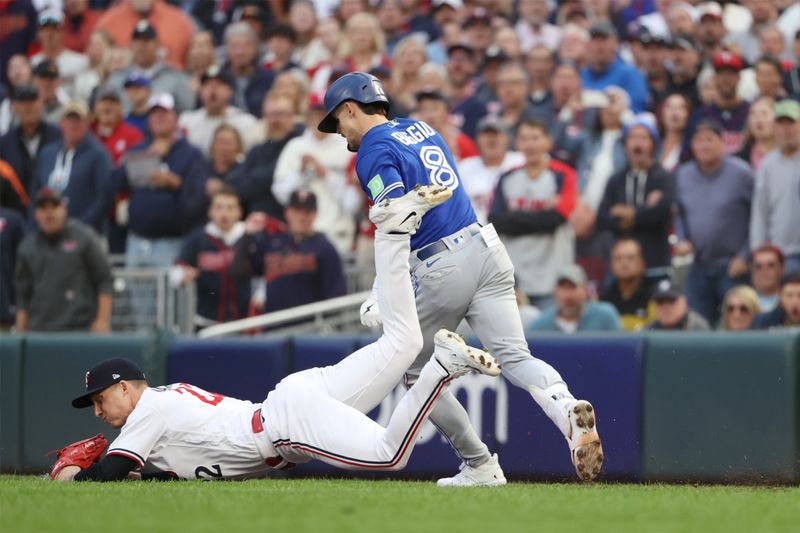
144, 30
666, 290
303, 199
46, 195
708, 124
24, 92
215, 73
46, 69
105, 374
137, 79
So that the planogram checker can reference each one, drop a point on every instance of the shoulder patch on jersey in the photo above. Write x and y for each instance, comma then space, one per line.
375, 186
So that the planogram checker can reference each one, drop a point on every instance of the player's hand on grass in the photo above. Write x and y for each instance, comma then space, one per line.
370, 313
67, 473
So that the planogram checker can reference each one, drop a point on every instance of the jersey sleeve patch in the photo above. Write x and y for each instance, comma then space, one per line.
375, 186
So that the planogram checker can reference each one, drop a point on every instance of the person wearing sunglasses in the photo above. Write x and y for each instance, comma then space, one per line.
739, 308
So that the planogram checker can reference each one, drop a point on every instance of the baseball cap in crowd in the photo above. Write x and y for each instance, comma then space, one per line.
788, 108
144, 30
709, 9
495, 53
646, 121
430, 95
478, 16
137, 79
603, 28
77, 108
105, 374
458, 5
51, 17
303, 199
708, 124
215, 73
667, 290
684, 41
572, 273
24, 93
463, 47
107, 93
492, 123
46, 69
727, 60
162, 100
46, 195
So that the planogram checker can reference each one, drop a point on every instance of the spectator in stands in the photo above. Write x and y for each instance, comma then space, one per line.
727, 109
18, 34
202, 56
539, 63
656, 52
787, 313
638, 200
574, 312
309, 50
206, 258
465, 106
251, 81
12, 231
673, 118
394, 19
63, 279
138, 91
432, 109
363, 43
479, 174
317, 162
20, 73
163, 78
478, 32
253, 180
513, 89
714, 191
22, 145
570, 120
681, 19
225, 156
686, 63
574, 44
768, 267
116, 135
739, 308
97, 72
630, 290
79, 167
280, 39
771, 42
79, 21
166, 178
791, 79
769, 77
493, 60
763, 14
533, 27
216, 91
293, 84
711, 31
171, 23
507, 42
759, 136
48, 84
408, 58
606, 68
50, 34
673, 312
530, 211
300, 266
776, 205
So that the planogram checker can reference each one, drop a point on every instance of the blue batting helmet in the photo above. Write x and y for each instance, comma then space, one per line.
356, 86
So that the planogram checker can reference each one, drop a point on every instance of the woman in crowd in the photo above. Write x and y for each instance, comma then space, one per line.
363, 44
294, 83
200, 57
227, 153
759, 134
739, 308
409, 56
672, 120
19, 73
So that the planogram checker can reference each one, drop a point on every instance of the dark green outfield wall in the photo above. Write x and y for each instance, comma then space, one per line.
713, 407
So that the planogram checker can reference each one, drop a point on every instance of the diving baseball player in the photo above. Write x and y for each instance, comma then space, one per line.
185, 432
460, 269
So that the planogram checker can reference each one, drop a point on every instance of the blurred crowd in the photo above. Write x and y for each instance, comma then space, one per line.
640, 159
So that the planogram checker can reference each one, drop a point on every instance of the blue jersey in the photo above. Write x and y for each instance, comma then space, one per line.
396, 156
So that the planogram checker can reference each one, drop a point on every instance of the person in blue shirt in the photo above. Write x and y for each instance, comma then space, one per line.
459, 270
574, 312
605, 68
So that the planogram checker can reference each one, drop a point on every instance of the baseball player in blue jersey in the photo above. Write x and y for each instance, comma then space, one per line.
460, 269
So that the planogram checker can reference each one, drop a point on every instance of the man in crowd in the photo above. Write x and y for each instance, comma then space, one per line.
480, 173
466, 107
47, 80
714, 192
787, 313
300, 266
776, 204
711, 29
206, 258
63, 279
630, 290
79, 167
686, 63
50, 35
605, 68
638, 200
530, 211
432, 109
574, 312
146, 61
768, 267
251, 81
21, 146
728, 110
216, 91
138, 91
253, 180
655, 53
673, 312
513, 90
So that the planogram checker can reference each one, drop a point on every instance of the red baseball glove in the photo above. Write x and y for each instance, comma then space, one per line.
82, 454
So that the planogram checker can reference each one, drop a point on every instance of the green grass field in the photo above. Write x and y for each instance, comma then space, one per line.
34, 504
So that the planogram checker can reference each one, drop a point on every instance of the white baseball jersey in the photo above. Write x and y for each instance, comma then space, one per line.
195, 434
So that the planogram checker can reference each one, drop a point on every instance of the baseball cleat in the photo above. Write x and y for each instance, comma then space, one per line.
404, 214
458, 359
584, 442
489, 474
